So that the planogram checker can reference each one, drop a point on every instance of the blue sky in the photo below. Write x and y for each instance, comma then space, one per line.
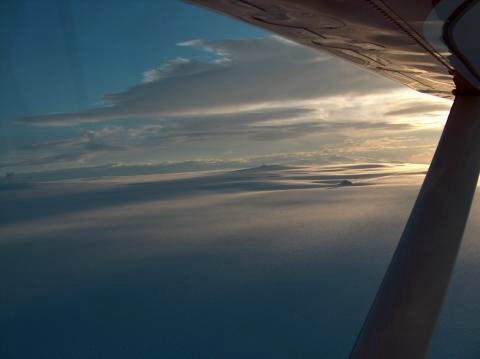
118, 82
109, 46
84, 49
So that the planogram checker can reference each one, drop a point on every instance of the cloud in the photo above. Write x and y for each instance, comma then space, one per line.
263, 128
110, 138
169, 258
161, 186
58, 158
417, 107
201, 266
246, 74
254, 97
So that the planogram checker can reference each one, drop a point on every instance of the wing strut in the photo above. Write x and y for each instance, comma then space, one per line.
402, 317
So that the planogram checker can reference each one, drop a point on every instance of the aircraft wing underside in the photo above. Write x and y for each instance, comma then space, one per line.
411, 42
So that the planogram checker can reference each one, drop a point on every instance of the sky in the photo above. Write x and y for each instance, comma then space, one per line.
95, 85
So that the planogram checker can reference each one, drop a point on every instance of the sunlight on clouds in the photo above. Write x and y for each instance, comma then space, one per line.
423, 110
431, 113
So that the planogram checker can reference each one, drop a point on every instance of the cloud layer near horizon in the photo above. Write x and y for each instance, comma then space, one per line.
213, 265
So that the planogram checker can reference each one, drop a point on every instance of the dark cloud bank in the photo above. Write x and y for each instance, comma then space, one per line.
268, 262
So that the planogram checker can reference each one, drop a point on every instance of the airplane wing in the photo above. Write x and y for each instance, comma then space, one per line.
412, 42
